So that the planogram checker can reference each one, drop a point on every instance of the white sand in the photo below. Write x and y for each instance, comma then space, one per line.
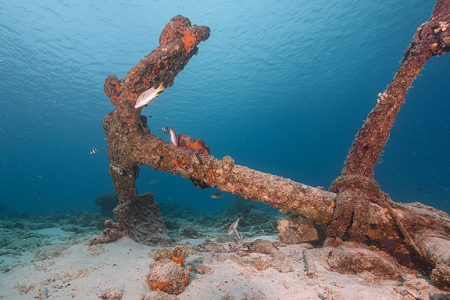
80, 274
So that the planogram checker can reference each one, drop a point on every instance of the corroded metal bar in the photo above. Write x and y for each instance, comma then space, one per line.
432, 38
279, 192
356, 187
124, 125
440, 7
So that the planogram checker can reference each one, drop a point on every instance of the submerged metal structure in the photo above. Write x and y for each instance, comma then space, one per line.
416, 235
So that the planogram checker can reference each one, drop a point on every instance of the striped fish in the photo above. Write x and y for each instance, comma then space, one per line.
94, 150
117, 169
195, 159
173, 137
233, 226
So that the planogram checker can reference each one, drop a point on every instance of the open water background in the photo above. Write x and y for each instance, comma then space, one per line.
280, 86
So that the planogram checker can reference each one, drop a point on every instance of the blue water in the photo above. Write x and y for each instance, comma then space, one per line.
280, 86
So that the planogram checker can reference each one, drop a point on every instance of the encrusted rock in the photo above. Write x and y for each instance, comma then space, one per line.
94, 240
262, 246
179, 255
352, 258
168, 276
209, 246
296, 230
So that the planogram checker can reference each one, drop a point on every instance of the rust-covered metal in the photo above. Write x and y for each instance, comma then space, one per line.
356, 188
432, 38
354, 205
125, 126
276, 191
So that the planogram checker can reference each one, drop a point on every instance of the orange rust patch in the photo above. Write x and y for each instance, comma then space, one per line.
176, 162
188, 40
158, 285
198, 146
178, 260
112, 88
194, 146
179, 23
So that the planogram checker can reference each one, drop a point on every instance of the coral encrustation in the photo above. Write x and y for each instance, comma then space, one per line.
198, 146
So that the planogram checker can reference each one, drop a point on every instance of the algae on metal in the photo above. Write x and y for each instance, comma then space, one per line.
125, 127
356, 188
355, 205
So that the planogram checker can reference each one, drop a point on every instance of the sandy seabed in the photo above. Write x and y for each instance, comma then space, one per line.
73, 270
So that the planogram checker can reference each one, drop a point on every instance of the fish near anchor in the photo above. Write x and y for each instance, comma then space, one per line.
148, 95
173, 137
233, 229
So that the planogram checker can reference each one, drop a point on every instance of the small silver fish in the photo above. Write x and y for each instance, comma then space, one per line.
195, 158
173, 137
216, 196
148, 95
233, 228
166, 129
94, 150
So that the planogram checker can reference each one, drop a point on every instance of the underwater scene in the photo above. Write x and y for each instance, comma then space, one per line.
225, 150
